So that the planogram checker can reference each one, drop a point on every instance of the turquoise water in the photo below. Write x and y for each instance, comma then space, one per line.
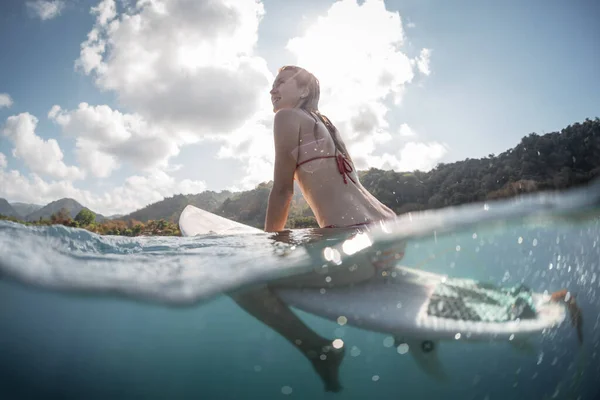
84, 316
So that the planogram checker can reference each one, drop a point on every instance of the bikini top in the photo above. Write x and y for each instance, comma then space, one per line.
343, 164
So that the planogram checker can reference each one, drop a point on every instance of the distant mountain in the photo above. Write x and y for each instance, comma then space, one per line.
72, 206
7, 210
25, 208
170, 208
248, 207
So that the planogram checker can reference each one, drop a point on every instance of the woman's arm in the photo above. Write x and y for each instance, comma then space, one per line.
286, 131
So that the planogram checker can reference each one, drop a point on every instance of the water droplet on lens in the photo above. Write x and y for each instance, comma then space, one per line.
402, 349
286, 390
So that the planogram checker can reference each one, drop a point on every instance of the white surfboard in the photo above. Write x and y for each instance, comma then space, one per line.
418, 308
194, 221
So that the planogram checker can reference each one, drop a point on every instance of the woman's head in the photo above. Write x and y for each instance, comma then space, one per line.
295, 87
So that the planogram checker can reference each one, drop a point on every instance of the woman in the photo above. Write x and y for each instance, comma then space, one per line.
309, 149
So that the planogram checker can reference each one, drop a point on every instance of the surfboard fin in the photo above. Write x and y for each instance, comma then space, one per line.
574, 310
425, 354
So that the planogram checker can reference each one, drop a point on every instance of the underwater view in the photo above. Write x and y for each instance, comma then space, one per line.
95, 317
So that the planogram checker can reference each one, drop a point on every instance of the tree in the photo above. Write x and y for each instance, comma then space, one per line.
85, 217
61, 217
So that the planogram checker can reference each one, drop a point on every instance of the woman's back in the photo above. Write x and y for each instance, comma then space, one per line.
329, 181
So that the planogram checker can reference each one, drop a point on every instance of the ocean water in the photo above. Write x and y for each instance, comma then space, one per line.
97, 317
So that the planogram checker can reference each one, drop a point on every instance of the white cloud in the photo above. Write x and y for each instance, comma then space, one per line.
406, 131
135, 193
105, 138
359, 73
356, 53
186, 64
411, 156
3, 162
154, 187
189, 68
252, 144
46, 9
41, 156
423, 61
420, 156
5, 100
94, 160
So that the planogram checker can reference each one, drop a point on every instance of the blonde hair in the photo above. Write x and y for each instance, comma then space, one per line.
310, 104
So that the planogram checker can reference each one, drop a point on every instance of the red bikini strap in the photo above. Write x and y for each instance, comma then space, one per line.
344, 167
314, 158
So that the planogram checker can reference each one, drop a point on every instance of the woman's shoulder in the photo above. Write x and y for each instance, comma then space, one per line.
286, 120
291, 115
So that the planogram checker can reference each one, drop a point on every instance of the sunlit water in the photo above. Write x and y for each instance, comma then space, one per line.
99, 317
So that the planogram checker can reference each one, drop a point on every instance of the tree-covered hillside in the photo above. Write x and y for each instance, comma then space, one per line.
555, 160
171, 207
539, 162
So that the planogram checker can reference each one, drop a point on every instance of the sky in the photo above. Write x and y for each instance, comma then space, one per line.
120, 103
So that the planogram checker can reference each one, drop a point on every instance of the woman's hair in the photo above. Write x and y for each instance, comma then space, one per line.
311, 104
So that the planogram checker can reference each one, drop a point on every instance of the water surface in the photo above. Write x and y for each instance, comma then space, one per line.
88, 316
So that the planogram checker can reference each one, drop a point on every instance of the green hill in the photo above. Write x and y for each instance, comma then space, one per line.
170, 208
555, 160
7, 210
70, 206
25, 208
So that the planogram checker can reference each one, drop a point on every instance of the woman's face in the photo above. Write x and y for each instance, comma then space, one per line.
285, 92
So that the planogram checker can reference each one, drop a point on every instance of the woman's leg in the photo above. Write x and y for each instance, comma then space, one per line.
360, 267
266, 306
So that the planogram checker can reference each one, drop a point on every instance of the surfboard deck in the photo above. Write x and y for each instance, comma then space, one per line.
194, 221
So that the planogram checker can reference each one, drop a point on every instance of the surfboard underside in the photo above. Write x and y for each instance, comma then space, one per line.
409, 302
